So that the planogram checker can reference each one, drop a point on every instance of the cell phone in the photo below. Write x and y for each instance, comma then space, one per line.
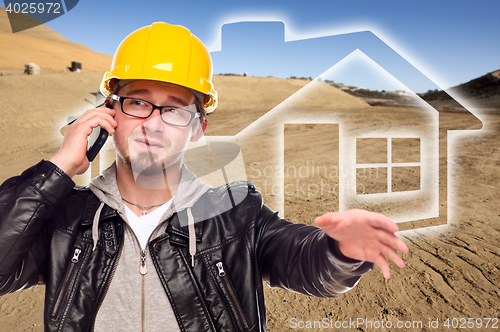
96, 140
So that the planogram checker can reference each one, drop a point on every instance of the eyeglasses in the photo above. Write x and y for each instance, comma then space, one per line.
173, 115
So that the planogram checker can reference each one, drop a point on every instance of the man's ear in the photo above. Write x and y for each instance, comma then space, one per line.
199, 131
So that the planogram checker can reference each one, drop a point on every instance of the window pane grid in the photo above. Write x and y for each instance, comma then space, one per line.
408, 172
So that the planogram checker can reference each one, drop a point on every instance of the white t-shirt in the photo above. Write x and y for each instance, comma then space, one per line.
143, 226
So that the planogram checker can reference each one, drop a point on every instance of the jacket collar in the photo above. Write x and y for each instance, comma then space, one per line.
189, 191
174, 226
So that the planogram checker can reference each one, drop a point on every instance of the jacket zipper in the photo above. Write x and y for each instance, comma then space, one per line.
232, 293
109, 280
143, 270
64, 286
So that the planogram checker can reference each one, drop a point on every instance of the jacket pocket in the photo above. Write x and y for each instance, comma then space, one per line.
66, 282
230, 294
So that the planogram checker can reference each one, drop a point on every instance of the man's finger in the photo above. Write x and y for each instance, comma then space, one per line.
393, 255
392, 241
382, 222
101, 109
384, 266
325, 221
401, 246
106, 122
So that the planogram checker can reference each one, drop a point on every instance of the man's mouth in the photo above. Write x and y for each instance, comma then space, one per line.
149, 143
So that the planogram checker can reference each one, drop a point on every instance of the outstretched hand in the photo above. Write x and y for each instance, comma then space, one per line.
365, 236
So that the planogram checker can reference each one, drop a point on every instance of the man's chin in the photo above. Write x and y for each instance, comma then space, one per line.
146, 166
150, 171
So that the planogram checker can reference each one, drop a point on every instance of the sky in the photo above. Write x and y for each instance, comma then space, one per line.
424, 44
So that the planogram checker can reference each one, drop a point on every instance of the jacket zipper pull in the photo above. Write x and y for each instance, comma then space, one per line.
232, 294
76, 254
74, 261
143, 268
222, 273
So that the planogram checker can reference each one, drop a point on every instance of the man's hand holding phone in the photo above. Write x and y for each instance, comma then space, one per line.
72, 156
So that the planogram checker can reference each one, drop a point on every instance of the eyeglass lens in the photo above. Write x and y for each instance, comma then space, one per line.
169, 114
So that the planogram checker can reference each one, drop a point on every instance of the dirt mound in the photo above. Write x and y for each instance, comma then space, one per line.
35, 107
41, 104
46, 48
485, 89
242, 100
40, 31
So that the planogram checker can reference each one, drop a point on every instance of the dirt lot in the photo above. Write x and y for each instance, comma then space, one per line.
452, 271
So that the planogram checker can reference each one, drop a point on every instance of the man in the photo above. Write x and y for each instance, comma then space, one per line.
148, 246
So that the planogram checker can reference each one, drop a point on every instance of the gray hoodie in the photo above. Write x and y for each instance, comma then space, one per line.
135, 301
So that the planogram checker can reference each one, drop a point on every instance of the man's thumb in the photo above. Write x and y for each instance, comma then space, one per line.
325, 220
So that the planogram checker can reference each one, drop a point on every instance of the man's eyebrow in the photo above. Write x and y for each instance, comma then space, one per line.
146, 91
137, 92
179, 101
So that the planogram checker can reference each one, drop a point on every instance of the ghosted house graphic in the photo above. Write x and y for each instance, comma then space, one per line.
396, 165
389, 160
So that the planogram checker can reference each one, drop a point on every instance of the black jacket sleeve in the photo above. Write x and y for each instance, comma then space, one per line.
303, 258
26, 203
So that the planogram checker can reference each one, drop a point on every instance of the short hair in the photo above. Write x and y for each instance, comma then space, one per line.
201, 110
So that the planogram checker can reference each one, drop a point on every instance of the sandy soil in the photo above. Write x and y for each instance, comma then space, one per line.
452, 271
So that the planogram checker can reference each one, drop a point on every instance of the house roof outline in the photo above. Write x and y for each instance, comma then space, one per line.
394, 64
272, 116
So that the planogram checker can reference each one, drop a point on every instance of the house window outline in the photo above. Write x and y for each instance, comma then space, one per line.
389, 165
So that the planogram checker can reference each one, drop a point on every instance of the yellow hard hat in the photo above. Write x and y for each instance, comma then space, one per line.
166, 53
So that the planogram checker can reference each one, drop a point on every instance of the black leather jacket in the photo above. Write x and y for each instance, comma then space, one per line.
45, 231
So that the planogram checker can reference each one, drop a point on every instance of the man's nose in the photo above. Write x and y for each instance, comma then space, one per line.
154, 122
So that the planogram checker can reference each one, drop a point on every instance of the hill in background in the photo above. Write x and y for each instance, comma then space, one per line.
484, 89
40, 31
54, 53
46, 48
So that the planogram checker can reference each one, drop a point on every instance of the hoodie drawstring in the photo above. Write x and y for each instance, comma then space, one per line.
95, 226
192, 236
